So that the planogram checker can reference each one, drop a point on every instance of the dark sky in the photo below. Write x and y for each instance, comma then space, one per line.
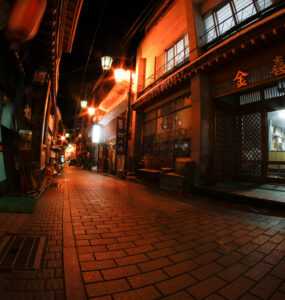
111, 20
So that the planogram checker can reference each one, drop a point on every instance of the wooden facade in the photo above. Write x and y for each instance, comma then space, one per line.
230, 78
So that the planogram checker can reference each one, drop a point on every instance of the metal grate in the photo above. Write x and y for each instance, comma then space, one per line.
54, 185
21, 252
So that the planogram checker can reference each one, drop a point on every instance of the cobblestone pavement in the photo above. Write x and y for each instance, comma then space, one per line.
136, 242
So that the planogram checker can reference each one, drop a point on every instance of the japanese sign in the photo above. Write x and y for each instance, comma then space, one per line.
278, 67
120, 135
240, 79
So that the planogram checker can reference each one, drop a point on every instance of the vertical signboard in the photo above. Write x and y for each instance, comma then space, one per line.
120, 135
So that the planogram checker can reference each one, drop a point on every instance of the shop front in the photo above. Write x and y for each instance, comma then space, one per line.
250, 124
166, 131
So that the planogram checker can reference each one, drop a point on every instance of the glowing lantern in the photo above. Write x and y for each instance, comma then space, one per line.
91, 111
106, 62
24, 20
83, 104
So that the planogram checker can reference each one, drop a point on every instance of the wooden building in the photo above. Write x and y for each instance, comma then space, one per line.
29, 80
210, 100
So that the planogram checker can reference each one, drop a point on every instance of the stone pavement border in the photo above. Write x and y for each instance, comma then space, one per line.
74, 288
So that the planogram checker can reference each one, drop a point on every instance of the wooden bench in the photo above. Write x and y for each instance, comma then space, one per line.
180, 178
148, 173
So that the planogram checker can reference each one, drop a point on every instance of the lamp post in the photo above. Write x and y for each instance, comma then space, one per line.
120, 75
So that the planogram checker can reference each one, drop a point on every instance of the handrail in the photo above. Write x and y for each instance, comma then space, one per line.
238, 23
166, 68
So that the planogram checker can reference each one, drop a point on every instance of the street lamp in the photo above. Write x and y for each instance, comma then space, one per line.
106, 62
83, 104
120, 75
91, 111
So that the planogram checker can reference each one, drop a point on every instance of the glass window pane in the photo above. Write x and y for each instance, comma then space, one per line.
182, 102
244, 8
179, 52
183, 125
169, 59
262, 4
149, 137
209, 27
150, 115
276, 144
165, 128
165, 136
166, 108
225, 18
186, 41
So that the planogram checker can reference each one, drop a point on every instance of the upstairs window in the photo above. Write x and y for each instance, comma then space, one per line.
177, 53
230, 15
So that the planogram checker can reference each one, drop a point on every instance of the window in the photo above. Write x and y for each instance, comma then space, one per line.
178, 53
167, 130
225, 18
230, 15
245, 9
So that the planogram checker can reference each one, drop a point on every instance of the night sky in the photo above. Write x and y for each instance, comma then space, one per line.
111, 20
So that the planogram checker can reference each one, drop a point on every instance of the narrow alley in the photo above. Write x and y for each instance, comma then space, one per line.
108, 238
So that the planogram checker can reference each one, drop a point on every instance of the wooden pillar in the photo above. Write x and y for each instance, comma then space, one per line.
202, 127
40, 96
194, 28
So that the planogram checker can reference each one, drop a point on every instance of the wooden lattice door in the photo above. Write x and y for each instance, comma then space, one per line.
251, 147
225, 145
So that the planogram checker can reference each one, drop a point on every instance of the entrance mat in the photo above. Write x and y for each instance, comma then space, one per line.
17, 204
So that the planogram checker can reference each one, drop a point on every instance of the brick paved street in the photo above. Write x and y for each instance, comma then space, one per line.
122, 240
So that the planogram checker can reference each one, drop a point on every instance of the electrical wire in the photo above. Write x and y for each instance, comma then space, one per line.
137, 25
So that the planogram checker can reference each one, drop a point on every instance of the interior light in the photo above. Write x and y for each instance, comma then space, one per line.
96, 134
281, 113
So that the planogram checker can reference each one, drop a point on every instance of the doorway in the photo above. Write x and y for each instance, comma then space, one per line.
276, 146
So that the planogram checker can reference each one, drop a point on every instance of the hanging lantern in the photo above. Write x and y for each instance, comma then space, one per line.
24, 20
106, 62
83, 104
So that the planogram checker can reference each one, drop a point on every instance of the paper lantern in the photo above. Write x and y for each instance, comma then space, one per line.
24, 20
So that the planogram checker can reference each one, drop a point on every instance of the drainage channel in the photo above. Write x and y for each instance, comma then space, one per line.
21, 252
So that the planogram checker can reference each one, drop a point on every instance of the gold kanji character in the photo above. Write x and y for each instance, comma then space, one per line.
240, 79
278, 66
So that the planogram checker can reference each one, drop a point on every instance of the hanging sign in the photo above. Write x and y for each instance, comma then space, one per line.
120, 135
240, 79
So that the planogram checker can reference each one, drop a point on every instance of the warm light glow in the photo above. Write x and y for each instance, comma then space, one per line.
91, 111
83, 104
106, 62
96, 134
67, 135
282, 113
121, 74
62, 138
